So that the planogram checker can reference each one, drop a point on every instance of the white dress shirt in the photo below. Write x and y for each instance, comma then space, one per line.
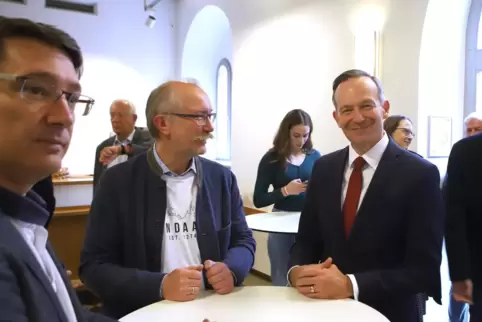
372, 159
121, 157
36, 238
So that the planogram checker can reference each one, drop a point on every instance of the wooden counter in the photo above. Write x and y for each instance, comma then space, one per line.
67, 228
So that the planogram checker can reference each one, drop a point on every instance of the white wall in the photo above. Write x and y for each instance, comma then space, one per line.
123, 59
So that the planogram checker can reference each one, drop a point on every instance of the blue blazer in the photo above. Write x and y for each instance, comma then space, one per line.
121, 256
25, 292
395, 246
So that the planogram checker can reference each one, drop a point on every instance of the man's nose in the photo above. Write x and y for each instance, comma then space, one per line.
61, 113
358, 115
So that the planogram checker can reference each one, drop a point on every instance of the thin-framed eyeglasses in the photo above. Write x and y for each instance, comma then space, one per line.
407, 132
37, 91
200, 119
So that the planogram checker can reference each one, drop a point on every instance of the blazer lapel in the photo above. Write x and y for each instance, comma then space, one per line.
377, 185
19, 247
338, 171
155, 215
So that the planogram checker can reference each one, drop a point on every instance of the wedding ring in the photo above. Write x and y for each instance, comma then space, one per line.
312, 289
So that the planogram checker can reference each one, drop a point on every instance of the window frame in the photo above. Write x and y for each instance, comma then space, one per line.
226, 64
473, 57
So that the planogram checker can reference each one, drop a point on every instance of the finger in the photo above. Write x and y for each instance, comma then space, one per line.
208, 263
216, 279
310, 271
327, 263
198, 268
215, 270
192, 275
306, 281
305, 289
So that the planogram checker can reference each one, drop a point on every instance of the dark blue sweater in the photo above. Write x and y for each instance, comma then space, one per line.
270, 173
121, 257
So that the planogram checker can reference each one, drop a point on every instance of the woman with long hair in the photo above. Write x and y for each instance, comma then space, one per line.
287, 168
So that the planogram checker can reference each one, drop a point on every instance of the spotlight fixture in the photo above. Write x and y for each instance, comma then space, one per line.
149, 9
151, 19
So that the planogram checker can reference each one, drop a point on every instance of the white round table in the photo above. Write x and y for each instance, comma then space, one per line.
257, 304
274, 222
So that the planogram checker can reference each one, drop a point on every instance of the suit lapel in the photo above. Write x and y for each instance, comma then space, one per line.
377, 187
19, 247
154, 221
338, 171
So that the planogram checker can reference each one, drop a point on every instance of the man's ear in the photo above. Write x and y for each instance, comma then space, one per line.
335, 117
161, 123
386, 109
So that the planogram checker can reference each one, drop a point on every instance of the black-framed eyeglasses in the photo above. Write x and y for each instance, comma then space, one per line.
200, 119
37, 91
407, 132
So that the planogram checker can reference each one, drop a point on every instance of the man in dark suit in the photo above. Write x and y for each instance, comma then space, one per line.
40, 67
373, 214
127, 142
463, 237
168, 223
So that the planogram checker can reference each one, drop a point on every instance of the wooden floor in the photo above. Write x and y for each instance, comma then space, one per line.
253, 280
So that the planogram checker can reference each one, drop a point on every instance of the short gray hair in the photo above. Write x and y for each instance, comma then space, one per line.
473, 116
132, 107
161, 100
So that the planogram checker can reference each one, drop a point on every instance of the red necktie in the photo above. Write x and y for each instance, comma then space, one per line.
353, 192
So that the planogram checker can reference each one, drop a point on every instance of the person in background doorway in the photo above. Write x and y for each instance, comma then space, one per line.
459, 310
473, 123
128, 141
400, 129
287, 168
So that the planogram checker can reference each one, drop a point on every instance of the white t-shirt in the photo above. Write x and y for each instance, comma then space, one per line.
179, 240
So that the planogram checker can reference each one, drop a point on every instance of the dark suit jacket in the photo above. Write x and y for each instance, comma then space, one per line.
141, 141
394, 250
463, 193
121, 257
25, 292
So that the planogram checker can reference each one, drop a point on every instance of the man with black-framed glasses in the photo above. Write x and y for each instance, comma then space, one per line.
168, 223
40, 96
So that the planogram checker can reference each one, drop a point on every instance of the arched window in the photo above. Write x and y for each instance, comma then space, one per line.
224, 78
473, 60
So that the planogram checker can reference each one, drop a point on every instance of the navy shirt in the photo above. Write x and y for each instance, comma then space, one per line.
271, 173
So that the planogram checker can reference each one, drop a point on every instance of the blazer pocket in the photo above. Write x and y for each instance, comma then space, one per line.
224, 236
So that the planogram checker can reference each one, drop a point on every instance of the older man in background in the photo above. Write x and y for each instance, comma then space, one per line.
128, 141
168, 223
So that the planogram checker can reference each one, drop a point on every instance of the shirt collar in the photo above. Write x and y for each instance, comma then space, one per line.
30, 208
167, 171
127, 140
373, 156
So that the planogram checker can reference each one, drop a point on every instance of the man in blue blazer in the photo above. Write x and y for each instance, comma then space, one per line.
168, 223
40, 67
373, 215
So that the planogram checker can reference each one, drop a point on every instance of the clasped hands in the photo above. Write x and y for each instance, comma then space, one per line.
184, 284
321, 281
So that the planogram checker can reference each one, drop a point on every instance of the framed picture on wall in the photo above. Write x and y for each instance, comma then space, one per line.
439, 136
